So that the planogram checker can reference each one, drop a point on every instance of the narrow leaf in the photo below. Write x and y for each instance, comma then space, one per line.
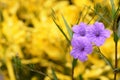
80, 77
117, 11
104, 58
117, 70
68, 27
118, 32
91, 19
80, 15
113, 8
101, 16
53, 14
54, 75
86, 13
58, 26
62, 31
1, 16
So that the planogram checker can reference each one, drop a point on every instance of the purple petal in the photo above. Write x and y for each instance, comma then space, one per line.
82, 24
82, 58
74, 53
80, 29
75, 29
99, 41
81, 47
99, 25
106, 33
88, 48
97, 34
75, 42
76, 35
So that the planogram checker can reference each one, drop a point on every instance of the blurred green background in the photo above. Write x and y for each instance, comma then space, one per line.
31, 46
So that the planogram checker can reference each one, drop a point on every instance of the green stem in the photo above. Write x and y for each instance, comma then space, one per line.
72, 73
116, 62
73, 66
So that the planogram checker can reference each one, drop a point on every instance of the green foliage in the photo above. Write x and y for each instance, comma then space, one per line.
116, 38
118, 32
113, 8
54, 19
17, 62
68, 28
74, 63
16, 16
80, 77
101, 11
104, 58
1, 16
54, 75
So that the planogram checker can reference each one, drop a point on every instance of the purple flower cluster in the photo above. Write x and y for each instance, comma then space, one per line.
86, 35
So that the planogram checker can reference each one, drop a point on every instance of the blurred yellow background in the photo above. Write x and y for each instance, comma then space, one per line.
28, 32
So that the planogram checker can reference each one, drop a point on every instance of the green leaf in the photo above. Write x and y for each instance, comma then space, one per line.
53, 14
100, 15
118, 32
91, 19
62, 31
117, 70
86, 13
17, 62
68, 28
113, 8
54, 75
104, 58
79, 17
58, 26
80, 77
116, 13
1, 16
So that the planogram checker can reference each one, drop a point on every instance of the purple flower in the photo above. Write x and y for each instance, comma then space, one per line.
81, 47
98, 34
79, 30
83, 37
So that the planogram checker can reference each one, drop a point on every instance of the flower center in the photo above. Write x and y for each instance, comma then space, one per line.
82, 34
97, 34
82, 49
